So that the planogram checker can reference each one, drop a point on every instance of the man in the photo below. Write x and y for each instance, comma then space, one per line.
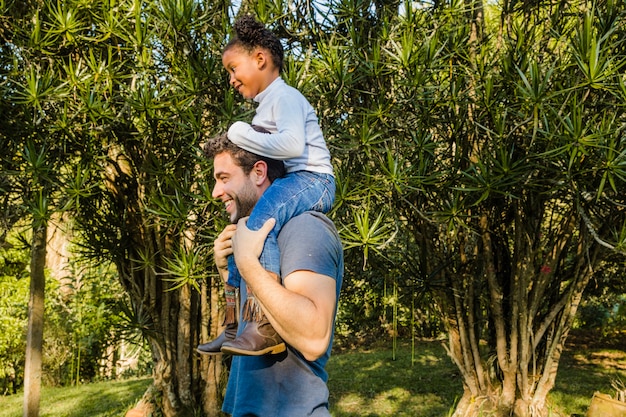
301, 309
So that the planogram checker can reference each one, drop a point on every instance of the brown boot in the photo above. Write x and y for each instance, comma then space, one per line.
230, 321
214, 346
258, 336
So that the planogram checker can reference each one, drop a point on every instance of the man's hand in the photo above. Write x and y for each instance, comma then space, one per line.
248, 244
223, 247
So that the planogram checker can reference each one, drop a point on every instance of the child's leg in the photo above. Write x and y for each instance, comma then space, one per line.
230, 324
234, 278
286, 198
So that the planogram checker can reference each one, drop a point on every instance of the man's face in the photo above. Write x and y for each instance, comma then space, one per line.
234, 188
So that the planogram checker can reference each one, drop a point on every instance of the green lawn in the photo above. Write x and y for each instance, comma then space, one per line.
101, 399
370, 383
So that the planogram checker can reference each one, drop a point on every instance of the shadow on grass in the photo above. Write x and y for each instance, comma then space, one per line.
588, 364
370, 383
102, 399
112, 400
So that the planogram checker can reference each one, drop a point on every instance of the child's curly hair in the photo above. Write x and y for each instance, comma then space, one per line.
250, 34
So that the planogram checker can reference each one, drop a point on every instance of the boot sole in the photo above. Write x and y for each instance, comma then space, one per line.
272, 350
204, 352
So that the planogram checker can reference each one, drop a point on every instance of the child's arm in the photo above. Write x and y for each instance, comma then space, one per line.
287, 137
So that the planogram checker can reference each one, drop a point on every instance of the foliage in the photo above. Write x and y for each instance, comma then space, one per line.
604, 306
13, 308
86, 325
88, 331
111, 100
607, 313
479, 151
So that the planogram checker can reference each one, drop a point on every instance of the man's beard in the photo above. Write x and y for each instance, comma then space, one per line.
244, 203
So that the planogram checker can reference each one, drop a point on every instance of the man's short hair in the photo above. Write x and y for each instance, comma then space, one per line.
245, 159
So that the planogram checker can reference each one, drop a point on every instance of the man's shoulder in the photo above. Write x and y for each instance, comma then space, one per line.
310, 218
310, 227
311, 242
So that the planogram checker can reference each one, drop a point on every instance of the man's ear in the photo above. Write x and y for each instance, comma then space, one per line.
260, 172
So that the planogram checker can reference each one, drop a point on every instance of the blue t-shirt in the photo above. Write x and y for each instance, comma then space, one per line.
287, 385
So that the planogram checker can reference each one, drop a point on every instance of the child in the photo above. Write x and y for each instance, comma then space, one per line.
254, 61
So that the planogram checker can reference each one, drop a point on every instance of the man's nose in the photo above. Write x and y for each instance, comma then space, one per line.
217, 191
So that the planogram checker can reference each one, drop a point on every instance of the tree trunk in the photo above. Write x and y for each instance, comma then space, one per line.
34, 338
531, 311
173, 321
183, 383
212, 368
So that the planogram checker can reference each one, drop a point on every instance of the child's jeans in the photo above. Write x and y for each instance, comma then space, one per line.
287, 197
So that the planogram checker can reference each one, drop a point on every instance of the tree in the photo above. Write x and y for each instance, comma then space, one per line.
477, 148
13, 310
481, 153
111, 99
32, 156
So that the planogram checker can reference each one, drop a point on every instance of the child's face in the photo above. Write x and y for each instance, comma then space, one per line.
245, 70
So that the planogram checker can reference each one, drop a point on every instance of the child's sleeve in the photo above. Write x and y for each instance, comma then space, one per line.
287, 139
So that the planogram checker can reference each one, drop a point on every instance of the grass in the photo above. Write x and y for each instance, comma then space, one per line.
100, 399
368, 383
589, 364
371, 383
374, 383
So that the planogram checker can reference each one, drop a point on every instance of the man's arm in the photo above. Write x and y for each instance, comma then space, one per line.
302, 309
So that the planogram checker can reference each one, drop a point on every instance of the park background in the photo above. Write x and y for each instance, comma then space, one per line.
480, 157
